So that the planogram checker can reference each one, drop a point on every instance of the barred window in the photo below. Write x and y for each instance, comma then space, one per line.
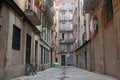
109, 8
16, 38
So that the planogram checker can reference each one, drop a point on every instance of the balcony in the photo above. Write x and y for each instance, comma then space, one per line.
63, 20
63, 10
67, 41
61, 51
65, 30
51, 2
65, 51
90, 5
33, 13
48, 13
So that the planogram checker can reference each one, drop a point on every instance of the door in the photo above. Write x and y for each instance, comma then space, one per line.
63, 60
85, 60
70, 60
36, 54
28, 48
42, 55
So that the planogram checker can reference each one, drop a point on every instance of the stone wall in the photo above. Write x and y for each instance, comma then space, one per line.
84, 59
3, 38
110, 50
117, 32
15, 59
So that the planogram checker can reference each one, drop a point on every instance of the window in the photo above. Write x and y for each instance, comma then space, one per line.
61, 47
109, 9
16, 38
62, 35
47, 56
63, 25
63, 16
44, 54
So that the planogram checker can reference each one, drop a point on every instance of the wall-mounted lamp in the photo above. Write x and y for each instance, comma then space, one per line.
95, 22
43, 27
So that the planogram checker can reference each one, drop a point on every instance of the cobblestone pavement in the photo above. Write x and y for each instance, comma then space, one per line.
65, 73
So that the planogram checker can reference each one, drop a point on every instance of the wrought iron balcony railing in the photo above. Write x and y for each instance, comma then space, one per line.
33, 13
67, 41
66, 51
65, 30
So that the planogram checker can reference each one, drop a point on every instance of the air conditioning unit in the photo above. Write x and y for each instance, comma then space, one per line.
1, 21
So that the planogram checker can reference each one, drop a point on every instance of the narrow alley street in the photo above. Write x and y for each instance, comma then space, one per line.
51, 36
65, 73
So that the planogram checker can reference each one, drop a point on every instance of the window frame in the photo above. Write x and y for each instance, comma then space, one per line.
109, 10
16, 34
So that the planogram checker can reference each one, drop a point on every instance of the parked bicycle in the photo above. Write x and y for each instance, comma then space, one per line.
30, 69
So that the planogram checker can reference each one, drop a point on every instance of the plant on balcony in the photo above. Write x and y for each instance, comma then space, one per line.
41, 6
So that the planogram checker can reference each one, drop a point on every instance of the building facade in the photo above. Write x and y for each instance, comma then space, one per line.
66, 29
74, 33
83, 37
56, 56
104, 37
25, 36
54, 35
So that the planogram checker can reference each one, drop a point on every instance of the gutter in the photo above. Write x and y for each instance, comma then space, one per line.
16, 8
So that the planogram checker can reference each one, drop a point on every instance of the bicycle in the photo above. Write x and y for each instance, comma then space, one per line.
30, 70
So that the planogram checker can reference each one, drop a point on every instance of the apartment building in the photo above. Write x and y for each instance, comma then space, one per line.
54, 36
74, 34
56, 56
83, 37
66, 29
25, 36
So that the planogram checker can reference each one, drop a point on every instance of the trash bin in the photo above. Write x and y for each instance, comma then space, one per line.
56, 65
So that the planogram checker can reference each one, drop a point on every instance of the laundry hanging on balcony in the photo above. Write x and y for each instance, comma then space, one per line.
36, 3
91, 25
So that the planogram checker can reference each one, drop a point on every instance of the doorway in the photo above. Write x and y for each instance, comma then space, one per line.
63, 60
36, 54
85, 60
28, 48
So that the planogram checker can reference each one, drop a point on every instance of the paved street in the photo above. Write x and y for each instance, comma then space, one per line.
65, 73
